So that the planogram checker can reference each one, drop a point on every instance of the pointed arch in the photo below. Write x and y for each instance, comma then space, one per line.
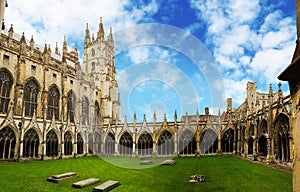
53, 102
51, 144
187, 142
208, 141
110, 144
31, 91
6, 82
145, 144
31, 144
262, 146
227, 141
79, 144
71, 105
263, 128
7, 143
68, 146
282, 137
165, 143
126, 144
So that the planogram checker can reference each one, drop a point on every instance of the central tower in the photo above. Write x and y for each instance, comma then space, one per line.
99, 68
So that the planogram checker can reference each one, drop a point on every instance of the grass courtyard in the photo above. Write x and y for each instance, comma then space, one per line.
221, 174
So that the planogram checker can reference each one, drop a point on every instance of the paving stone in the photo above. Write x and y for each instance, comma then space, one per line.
61, 177
85, 183
107, 186
168, 162
146, 162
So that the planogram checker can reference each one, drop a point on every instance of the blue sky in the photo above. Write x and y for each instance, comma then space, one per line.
247, 40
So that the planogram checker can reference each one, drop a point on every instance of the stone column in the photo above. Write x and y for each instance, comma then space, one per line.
155, 148
234, 141
198, 143
134, 145
239, 141
269, 155
219, 142
116, 148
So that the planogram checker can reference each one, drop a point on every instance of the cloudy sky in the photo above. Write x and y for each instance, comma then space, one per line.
212, 46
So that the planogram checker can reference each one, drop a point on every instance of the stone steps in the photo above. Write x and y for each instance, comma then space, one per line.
107, 186
85, 183
61, 177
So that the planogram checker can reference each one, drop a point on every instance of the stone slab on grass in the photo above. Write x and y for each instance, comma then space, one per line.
107, 186
85, 183
168, 162
61, 177
146, 162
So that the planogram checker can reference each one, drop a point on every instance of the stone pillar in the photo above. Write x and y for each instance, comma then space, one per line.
269, 155
219, 142
198, 143
176, 143
234, 141
134, 146
21, 142
154, 148
239, 141
2, 8
116, 148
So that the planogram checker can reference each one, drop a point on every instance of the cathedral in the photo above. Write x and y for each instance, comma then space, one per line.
54, 106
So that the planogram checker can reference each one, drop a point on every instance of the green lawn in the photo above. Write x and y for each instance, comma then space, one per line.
221, 173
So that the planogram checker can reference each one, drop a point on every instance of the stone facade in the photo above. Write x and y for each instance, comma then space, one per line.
291, 74
263, 126
49, 103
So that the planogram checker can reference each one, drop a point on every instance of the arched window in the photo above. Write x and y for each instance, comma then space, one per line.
53, 103
227, 141
31, 144
110, 144
145, 144
93, 52
97, 114
208, 141
71, 103
51, 144
31, 90
165, 144
125, 144
7, 143
68, 148
187, 143
79, 144
93, 66
85, 111
5, 86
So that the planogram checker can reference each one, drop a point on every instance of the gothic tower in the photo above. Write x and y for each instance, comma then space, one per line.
99, 68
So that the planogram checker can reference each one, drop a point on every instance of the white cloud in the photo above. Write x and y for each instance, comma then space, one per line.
49, 21
249, 41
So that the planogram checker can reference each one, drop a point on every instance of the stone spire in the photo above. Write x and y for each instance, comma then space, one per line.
87, 39
144, 119
175, 116
134, 118
110, 36
65, 49
165, 117
31, 43
56, 49
154, 117
100, 34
